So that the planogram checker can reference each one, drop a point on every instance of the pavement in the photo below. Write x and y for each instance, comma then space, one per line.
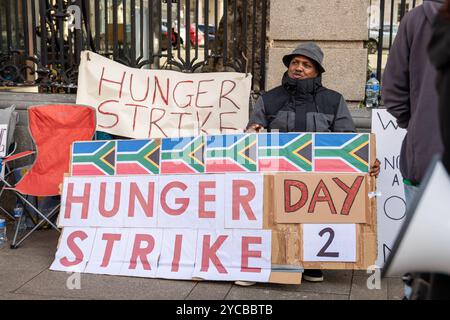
25, 275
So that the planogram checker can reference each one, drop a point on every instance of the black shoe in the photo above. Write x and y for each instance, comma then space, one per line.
313, 275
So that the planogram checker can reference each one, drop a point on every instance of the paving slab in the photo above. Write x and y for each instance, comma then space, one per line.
207, 290
395, 289
108, 287
247, 293
16, 269
360, 290
16, 296
335, 282
362, 273
24, 274
47, 238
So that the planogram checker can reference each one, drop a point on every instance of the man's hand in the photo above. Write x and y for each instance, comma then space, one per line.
254, 128
375, 169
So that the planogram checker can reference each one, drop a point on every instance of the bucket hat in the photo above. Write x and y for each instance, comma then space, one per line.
309, 50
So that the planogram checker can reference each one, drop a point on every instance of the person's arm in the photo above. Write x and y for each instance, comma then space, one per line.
395, 86
258, 118
343, 121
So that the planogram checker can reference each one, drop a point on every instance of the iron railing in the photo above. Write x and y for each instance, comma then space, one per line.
383, 28
41, 40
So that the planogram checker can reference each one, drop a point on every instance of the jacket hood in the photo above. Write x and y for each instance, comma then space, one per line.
431, 8
301, 87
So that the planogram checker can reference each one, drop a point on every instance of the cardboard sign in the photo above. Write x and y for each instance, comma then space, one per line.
321, 198
179, 208
3, 136
391, 197
140, 103
287, 238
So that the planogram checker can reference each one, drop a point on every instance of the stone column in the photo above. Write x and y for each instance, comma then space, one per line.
339, 27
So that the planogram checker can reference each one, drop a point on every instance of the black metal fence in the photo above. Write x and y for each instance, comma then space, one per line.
41, 40
383, 26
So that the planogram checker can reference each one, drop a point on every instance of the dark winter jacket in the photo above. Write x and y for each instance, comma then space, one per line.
439, 51
302, 106
409, 91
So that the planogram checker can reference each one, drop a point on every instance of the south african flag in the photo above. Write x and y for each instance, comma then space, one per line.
341, 152
93, 158
183, 155
138, 156
231, 153
285, 152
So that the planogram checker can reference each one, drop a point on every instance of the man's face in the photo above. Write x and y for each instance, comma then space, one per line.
302, 68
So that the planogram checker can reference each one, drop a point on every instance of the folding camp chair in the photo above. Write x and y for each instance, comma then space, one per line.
10, 118
53, 128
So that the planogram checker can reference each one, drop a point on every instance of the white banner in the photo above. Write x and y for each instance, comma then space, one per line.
171, 201
167, 253
143, 103
391, 199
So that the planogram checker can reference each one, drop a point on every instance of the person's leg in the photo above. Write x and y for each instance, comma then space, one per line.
410, 194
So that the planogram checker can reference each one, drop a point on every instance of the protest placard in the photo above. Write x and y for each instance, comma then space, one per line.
391, 197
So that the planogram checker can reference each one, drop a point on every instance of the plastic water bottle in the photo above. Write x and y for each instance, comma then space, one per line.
372, 92
2, 231
19, 225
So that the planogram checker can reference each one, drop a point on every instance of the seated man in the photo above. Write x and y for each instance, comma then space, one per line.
302, 104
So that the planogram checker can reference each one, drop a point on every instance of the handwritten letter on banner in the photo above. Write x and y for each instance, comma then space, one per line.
143, 103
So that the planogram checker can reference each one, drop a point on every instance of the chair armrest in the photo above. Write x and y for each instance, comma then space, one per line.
18, 156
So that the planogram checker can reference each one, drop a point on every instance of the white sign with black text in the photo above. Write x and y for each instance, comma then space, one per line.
331, 242
391, 198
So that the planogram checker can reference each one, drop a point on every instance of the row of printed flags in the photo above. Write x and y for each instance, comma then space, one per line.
267, 152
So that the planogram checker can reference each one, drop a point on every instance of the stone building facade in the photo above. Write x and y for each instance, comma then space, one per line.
340, 29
